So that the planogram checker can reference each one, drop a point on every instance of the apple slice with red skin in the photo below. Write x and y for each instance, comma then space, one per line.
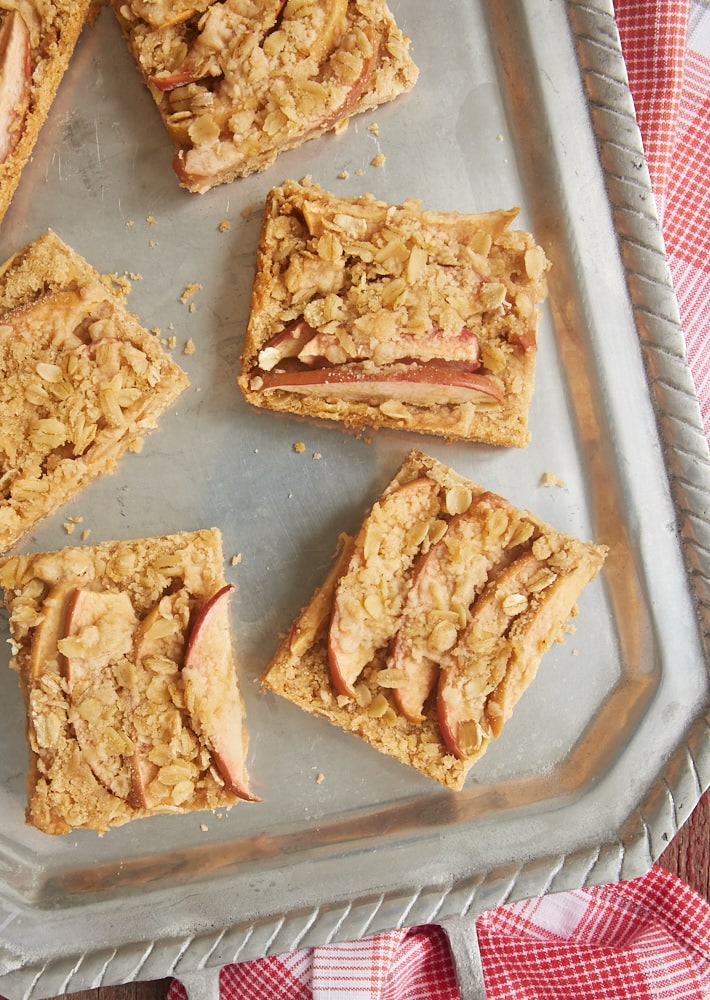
199, 59
15, 80
525, 633
448, 576
381, 558
211, 694
113, 614
431, 349
421, 384
314, 618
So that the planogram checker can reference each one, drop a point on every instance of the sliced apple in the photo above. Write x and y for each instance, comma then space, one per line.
167, 13
99, 631
432, 348
358, 87
211, 693
221, 21
480, 659
314, 618
415, 383
287, 343
532, 636
446, 582
334, 14
372, 590
513, 624
160, 634
44, 652
15, 79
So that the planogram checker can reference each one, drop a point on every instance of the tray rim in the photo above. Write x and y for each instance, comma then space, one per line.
662, 812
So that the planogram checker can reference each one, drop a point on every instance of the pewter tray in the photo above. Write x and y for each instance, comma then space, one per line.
608, 751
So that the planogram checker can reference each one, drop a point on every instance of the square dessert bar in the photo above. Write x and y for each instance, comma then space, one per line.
393, 316
37, 40
433, 620
240, 81
125, 660
80, 381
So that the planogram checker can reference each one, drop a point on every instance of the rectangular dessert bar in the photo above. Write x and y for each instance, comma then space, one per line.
433, 620
81, 381
125, 660
394, 316
37, 41
240, 81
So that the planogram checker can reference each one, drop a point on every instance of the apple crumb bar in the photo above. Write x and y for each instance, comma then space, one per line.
240, 81
37, 40
125, 660
80, 381
394, 316
433, 620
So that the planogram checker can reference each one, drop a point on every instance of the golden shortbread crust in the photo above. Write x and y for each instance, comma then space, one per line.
498, 598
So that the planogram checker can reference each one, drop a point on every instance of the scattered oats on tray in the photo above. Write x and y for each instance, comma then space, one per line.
393, 316
125, 660
433, 620
239, 82
80, 381
37, 41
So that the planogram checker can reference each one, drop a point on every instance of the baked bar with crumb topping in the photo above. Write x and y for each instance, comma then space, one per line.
394, 316
240, 81
125, 660
433, 620
37, 40
81, 381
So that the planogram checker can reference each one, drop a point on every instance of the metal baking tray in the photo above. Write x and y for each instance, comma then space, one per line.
607, 753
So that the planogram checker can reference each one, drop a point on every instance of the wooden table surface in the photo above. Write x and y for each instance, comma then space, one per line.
688, 856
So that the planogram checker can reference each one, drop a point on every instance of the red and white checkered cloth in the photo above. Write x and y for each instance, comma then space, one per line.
648, 937
645, 939
667, 50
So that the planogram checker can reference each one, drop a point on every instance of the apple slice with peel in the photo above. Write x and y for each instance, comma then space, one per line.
532, 636
314, 618
211, 694
371, 592
99, 629
432, 349
44, 652
15, 79
446, 582
221, 21
287, 343
416, 384
498, 654
335, 14
480, 659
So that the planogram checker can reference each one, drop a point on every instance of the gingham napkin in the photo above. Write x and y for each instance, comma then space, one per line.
648, 938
